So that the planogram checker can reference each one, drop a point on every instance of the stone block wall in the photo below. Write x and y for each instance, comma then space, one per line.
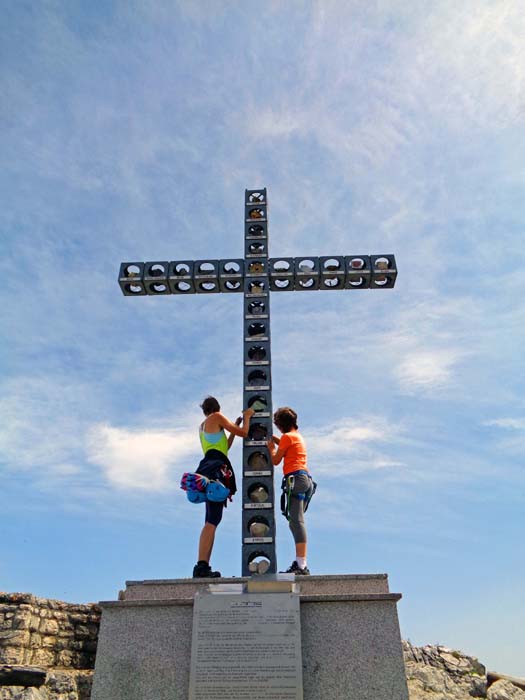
47, 633
60, 638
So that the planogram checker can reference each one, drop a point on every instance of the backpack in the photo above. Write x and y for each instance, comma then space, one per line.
193, 482
200, 489
216, 491
195, 486
196, 496
214, 479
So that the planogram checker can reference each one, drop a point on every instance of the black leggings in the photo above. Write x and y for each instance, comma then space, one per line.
214, 512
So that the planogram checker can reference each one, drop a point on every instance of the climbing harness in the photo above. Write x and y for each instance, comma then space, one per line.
287, 486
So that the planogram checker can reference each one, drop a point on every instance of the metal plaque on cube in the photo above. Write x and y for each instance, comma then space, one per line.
246, 646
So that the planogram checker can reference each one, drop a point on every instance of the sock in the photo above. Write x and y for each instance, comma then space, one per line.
301, 562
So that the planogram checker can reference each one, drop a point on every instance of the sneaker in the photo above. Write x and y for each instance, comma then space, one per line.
291, 569
296, 569
203, 570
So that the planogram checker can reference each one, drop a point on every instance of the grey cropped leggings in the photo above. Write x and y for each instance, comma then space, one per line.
302, 483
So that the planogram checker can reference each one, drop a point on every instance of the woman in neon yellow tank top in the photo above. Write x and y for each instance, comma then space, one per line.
213, 437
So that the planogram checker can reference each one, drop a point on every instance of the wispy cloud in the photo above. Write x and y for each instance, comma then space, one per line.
40, 421
431, 342
141, 459
151, 456
416, 348
353, 446
510, 423
426, 369
408, 84
51, 437
513, 440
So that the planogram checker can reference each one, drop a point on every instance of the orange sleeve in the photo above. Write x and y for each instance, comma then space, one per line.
284, 443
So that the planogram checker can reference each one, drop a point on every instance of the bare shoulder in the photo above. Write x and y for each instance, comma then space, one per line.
213, 423
220, 420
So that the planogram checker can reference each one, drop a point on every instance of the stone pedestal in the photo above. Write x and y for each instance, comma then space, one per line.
351, 643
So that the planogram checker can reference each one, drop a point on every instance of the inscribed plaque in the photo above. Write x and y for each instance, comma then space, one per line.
246, 647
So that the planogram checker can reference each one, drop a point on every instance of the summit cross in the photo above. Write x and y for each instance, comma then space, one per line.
256, 275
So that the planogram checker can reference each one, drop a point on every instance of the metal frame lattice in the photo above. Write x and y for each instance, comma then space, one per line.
257, 480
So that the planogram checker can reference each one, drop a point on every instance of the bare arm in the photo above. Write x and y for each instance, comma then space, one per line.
234, 429
275, 454
231, 437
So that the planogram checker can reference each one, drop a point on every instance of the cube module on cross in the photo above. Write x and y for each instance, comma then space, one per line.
256, 275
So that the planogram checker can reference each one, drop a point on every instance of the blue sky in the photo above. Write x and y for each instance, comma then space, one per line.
129, 132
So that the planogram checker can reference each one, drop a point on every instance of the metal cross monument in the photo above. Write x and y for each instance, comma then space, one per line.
256, 275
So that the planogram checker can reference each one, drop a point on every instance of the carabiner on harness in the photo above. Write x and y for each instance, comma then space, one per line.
287, 485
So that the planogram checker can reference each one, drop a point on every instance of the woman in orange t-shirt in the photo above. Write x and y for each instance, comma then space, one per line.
292, 448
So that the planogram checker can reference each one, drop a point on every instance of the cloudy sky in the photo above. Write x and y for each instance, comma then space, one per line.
129, 132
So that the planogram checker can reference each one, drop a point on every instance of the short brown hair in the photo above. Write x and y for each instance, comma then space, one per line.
210, 405
285, 419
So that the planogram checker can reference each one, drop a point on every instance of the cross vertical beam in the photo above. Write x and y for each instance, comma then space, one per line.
258, 499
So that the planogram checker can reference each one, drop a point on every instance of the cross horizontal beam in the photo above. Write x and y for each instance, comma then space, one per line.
258, 274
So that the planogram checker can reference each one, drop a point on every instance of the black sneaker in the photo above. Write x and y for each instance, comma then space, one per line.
296, 569
291, 569
203, 570
303, 572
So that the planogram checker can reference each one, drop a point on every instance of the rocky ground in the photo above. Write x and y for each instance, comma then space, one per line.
59, 685
438, 673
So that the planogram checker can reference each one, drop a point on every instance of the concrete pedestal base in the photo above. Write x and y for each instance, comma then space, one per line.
351, 643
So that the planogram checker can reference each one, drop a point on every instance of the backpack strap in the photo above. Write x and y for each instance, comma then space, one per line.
228, 479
